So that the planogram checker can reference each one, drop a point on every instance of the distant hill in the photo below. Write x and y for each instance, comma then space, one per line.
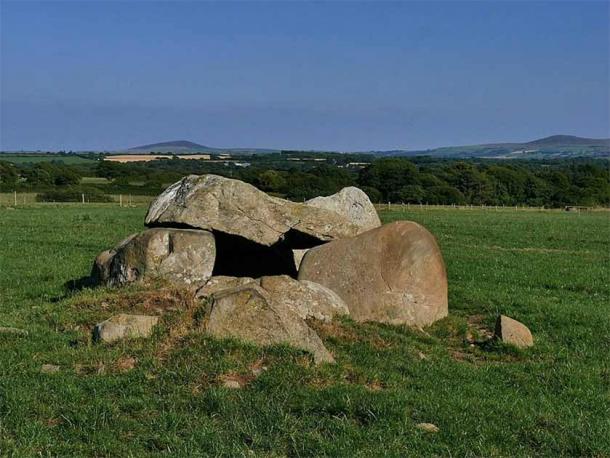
555, 146
555, 140
173, 146
188, 147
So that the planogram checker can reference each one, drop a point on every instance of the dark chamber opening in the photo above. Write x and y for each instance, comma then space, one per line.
239, 257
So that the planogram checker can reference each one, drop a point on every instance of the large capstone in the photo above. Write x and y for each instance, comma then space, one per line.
352, 203
392, 274
219, 204
182, 256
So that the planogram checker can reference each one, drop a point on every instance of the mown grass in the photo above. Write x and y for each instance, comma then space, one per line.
549, 270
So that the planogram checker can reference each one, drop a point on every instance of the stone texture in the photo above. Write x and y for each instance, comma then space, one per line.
100, 274
182, 256
124, 326
306, 298
393, 274
354, 204
298, 256
248, 313
222, 282
221, 204
513, 332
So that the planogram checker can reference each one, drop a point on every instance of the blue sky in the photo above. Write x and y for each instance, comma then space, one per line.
315, 75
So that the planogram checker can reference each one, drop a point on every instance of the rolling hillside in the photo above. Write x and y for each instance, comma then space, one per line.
556, 146
188, 147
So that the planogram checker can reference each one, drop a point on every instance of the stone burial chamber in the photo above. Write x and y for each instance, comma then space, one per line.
264, 265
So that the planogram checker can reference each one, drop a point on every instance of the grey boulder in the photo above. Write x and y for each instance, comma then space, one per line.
124, 326
305, 298
249, 313
233, 207
182, 256
352, 203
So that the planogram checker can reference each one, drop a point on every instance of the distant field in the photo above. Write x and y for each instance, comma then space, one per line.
25, 158
151, 157
28, 199
549, 270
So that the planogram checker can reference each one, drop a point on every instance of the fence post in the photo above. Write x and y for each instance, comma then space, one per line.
83, 197
120, 200
15, 198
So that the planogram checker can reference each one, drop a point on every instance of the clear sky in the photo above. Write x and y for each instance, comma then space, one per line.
316, 75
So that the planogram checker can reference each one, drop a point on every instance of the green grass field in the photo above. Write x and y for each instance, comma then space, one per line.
33, 158
549, 270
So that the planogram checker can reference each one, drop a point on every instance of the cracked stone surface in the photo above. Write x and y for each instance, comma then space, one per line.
230, 206
393, 274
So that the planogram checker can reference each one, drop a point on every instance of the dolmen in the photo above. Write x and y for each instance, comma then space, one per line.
264, 266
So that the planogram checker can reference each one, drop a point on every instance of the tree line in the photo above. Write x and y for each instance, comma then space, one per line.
553, 183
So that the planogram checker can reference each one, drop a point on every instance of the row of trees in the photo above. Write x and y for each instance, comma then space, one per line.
463, 182
424, 180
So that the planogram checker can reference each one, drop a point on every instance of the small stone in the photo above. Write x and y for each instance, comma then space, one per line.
124, 326
49, 369
513, 332
428, 427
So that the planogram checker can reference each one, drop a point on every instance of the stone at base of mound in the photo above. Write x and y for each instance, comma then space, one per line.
305, 298
513, 332
124, 326
247, 312
393, 274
